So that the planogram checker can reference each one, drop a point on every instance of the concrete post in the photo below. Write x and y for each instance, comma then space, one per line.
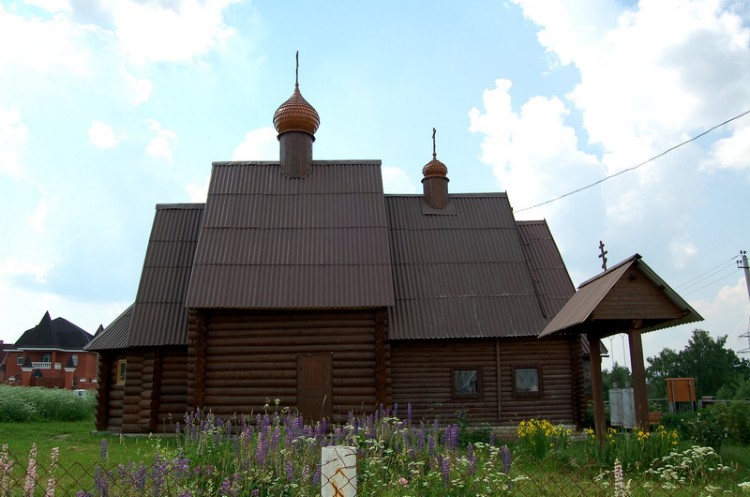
338, 474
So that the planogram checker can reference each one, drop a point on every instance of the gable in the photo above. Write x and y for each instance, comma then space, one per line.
635, 295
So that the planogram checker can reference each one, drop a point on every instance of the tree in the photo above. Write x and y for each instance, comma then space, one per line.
619, 377
705, 358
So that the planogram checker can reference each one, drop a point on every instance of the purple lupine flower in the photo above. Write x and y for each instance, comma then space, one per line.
454, 436
492, 438
276, 437
255, 492
472, 459
103, 450
83, 493
225, 488
261, 450
506, 456
395, 409
101, 484
316, 475
408, 413
30, 482
160, 469
289, 471
445, 468
430, 445
420, 438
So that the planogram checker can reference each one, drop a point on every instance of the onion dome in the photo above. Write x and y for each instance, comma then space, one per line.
434, 168
296, 114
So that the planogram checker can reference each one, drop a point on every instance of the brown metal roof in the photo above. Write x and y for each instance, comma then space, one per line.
581, 306
270, 241
551, 278
461, 273
160, 316
115, 335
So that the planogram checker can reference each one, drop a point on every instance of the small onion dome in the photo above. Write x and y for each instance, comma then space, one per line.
296, 114
434, 168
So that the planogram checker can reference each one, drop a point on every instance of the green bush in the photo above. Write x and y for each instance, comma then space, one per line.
734, 418
32, 404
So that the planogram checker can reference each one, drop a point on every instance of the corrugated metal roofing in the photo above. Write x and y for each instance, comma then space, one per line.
270, 241
115, 335
591, 292
160, 316
462, 273
548, 271
58, 333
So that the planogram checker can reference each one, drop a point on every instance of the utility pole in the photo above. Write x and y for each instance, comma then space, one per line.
742, 263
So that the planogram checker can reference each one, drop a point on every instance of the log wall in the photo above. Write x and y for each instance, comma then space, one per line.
421, 375
241, 360
155, 392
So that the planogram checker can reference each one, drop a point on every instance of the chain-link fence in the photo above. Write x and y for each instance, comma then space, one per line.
336, 476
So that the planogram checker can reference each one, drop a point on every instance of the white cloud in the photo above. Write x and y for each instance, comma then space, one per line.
683, 252
533, 153
38, 218
52, 6
14, 267
259, 144
732, 152
396, 180
138, 90
175, 30
163, 145
198, 191
101, 135
13, 135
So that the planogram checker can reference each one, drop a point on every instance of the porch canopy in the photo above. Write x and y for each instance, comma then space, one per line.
627, 298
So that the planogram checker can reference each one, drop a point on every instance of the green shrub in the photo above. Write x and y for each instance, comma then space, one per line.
31, 404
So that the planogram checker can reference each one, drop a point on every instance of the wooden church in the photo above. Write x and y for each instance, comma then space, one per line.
301, 280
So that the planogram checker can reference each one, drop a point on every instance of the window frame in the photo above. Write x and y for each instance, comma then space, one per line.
75, 359
121, 371
539, 379
19, 360
463, 395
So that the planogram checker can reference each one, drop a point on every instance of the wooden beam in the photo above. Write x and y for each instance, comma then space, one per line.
640, 394
499, 381
597, 388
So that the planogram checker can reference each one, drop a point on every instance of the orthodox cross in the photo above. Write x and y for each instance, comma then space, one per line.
434, 154
296, 70
603, 255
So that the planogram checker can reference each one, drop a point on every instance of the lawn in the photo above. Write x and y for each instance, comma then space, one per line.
275, 455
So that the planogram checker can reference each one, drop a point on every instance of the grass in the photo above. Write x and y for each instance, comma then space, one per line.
397, 458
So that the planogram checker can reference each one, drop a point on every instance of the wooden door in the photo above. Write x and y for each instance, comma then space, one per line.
315, 386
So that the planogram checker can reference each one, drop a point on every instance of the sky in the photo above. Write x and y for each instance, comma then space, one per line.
108, 107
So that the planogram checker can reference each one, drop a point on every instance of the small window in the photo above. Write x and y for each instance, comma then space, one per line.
46, 358
467, 382
75, 359
19, 360
121, 368
527, 381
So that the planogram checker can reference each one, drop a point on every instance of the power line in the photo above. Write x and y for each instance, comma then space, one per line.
706, 274
694, 290
633, 168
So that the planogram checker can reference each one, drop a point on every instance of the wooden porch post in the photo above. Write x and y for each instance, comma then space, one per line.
597, 388
640, 395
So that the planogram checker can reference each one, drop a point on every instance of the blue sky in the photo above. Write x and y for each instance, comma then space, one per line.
108, 107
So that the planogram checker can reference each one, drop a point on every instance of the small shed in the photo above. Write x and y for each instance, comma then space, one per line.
627, 298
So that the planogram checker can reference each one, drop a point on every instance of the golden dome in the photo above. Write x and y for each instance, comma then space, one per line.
296, 114
434, 168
